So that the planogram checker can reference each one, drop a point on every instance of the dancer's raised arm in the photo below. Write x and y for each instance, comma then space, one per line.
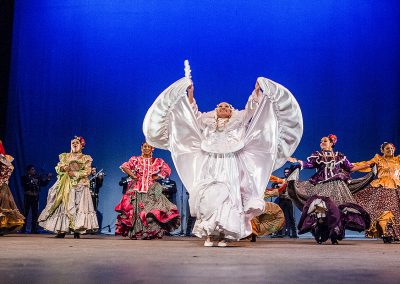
190, 91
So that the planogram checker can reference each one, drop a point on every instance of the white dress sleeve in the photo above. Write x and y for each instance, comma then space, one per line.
285, 113
271, 137
171, 124
170, 108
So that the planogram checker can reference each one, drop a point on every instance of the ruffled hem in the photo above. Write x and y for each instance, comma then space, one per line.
57, 223
10, 220
156, 121
85, 222
146, 215
60, 223
147, 235
289, 117
164, 217
168, 221
385, 226
271, 221
225, 220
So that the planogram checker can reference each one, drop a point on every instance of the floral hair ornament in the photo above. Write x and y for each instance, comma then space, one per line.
384, 144
81, 140
332, 138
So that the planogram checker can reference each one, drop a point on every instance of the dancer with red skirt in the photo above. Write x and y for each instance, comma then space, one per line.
144, 212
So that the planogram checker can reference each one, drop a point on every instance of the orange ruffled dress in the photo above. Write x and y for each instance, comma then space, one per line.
382, 196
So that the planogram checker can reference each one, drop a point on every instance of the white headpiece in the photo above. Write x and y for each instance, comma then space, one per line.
187, 69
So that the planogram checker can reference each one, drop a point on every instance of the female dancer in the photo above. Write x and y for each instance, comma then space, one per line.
225, 157
69, 204
144, 212
10, 218
328, 207
381, 198
330, 180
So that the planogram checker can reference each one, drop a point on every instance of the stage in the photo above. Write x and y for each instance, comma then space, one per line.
109, 259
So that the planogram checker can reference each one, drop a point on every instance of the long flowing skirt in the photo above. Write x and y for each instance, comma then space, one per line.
271, 221
224, 202
337, 191
146, 215
218, 204
377, 200
10, 218
322, 218
77, 216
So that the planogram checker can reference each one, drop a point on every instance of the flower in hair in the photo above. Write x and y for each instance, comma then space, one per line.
81, 140
332, 138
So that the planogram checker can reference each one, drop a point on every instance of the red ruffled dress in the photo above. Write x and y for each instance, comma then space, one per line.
144, 212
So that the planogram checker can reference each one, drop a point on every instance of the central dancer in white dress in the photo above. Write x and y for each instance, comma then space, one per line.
225, 157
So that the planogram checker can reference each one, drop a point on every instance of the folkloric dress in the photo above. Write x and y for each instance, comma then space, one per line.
144, 212
10, 218
328, 207
382, 194
69, 204
225, 163
330, 180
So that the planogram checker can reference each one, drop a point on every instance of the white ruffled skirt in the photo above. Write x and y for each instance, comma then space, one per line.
81, 217
217, 203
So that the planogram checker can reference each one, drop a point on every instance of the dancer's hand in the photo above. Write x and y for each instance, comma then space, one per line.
71, 174
292, 160
190, 93
257, 89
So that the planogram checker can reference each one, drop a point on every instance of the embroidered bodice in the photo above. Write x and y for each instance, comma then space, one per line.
329, 165
223, 135
80, 164
388, 174
145, 169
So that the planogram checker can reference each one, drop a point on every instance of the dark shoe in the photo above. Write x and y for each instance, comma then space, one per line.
334, 242
387, 240
77, 236
294, 237
253, 238
60, 236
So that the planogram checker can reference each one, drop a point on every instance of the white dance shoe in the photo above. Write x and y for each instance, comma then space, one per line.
222, 243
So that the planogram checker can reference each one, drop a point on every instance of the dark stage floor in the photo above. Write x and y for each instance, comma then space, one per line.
108, 259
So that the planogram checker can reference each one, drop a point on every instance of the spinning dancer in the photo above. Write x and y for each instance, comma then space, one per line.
225, 157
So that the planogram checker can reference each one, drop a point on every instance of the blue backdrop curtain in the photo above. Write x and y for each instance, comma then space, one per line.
93, 68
